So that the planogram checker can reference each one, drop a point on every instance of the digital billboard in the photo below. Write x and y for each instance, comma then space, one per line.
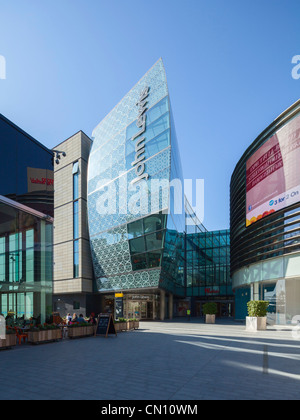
273, 173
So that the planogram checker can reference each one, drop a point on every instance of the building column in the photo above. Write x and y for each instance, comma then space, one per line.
162, 304
171, 305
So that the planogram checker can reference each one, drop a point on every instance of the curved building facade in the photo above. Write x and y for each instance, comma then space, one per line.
136, 238
265, 220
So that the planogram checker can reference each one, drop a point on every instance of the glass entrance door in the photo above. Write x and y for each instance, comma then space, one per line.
140, 310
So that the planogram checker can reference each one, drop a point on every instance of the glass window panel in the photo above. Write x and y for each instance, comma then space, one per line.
154, 259
75, 186
137, 245
29, 256
154, 223
29, 305
76, 222
76, 259
139, 262
135, 229
75, 168
154, 241
2, 259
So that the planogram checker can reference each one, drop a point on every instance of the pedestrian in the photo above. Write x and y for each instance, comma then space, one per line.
188, 312
69, 319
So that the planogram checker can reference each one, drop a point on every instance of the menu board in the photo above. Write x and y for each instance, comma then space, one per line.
105, 325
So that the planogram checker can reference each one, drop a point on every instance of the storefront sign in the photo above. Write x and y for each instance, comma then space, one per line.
140, 144
140, 297
212, 291
40, 179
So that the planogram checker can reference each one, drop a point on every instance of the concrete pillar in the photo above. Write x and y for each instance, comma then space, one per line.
171, 304
162, 304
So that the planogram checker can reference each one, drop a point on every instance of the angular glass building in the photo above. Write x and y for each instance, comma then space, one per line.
136, 223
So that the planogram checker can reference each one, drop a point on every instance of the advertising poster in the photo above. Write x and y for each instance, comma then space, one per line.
273, 174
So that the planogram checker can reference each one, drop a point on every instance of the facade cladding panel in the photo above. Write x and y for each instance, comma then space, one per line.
265, 249
26, 172
135, 244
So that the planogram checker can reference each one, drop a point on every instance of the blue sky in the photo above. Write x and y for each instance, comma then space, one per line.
228, 66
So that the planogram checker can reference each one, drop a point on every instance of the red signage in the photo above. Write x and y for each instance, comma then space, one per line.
44, 181
212, 291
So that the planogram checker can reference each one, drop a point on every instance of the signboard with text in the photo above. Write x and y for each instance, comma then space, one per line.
273, 174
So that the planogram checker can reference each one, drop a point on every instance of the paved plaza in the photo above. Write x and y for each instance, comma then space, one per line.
175, 360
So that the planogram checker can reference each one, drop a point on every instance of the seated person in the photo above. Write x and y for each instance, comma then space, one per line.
80, 319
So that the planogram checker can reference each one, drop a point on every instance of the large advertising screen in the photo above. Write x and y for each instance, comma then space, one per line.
273, 173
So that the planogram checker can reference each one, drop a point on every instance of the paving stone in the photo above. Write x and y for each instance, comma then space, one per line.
161, 361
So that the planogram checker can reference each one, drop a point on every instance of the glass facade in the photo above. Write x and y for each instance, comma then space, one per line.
135, 243
208, 264
25, 263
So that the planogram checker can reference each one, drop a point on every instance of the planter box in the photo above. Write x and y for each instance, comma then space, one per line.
129, 325
136, 325
10, 341
44, 336
256, 323
210, 319
78, 332
120, 326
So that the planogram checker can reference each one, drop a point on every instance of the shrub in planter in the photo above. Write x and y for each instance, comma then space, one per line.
257, 308
210, 310
257, 315
120, 324
130, 325
43, 333
80, 330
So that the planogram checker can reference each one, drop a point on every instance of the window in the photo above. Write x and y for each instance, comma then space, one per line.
76, 258
76, 221
135, 229
137, 245
76, 306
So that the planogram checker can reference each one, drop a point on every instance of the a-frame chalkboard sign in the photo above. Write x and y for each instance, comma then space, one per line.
105, 325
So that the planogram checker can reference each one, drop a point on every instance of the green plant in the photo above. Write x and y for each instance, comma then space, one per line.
257, 308
82, 324
210, 308
45, 327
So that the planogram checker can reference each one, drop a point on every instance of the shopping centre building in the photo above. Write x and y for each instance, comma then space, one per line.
26, 225
265, 220
122, 243
146, 264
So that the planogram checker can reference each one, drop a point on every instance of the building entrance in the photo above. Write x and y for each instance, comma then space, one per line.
140, 309
224, 309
